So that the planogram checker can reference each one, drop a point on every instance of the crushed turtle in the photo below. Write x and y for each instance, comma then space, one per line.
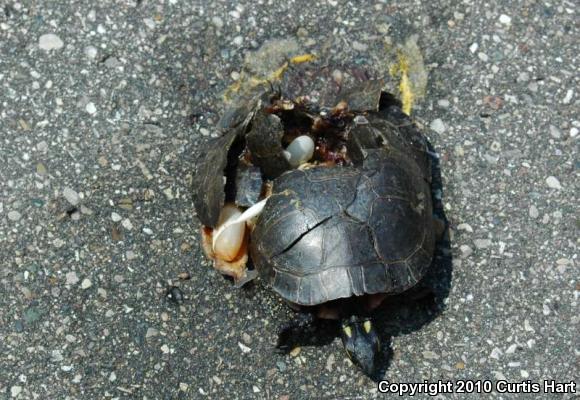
333, 204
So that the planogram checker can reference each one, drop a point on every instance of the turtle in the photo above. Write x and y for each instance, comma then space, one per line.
334, 242
336, 236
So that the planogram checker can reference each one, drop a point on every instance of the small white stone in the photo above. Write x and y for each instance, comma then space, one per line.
14, 215
244, 348
465, 227
437, 125
255, 389
91, 108
545, 309
127, 224
116, 217
15, 390
91, 52
495, 353
151, 332
555, 132
218, 22
86, 283
505, 19
238, 40
511, 349
473, 48
165, 349
50, 41
71, 278
149, 23
553, 183
573, 132
482, 56
465, 250
148, 231
358, 46
71, 196
568, 96
112, 377
443, 103
524, 374
533, 212
482, 243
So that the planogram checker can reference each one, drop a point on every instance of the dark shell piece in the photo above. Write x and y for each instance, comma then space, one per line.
363, 97
245, 106
328, 233
248, 185
264, 141
208, 182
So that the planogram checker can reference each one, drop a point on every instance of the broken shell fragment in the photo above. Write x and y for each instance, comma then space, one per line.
228, 240
300, 150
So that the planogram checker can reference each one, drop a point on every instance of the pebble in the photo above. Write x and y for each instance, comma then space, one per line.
330, 362
465, 250
505, 19
71, 278
14, 215
568, 96
482, 243
443, 103
116, 217
91, 52
358, 46
217, 22
15, 390
553, 183
533, 211
127, 224
465, 227
495, 353
86, 283
524, 374
483, 57
238, 40
281, 365
473, 48
438, 126
295, 351
91, 108
244, 348
555, 132
50, 41
71, 196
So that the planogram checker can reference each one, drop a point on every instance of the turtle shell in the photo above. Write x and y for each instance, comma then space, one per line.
328, 233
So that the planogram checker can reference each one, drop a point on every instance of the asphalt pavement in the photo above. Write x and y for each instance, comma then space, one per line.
104, 108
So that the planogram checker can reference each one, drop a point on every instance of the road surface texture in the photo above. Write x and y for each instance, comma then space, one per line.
104, 107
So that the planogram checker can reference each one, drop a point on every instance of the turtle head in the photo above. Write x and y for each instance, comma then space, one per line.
361, 343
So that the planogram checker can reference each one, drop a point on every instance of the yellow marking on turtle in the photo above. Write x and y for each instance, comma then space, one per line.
347, 331
367, 326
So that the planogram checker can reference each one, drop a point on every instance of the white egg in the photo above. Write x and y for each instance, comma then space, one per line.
227, 241
300, 150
